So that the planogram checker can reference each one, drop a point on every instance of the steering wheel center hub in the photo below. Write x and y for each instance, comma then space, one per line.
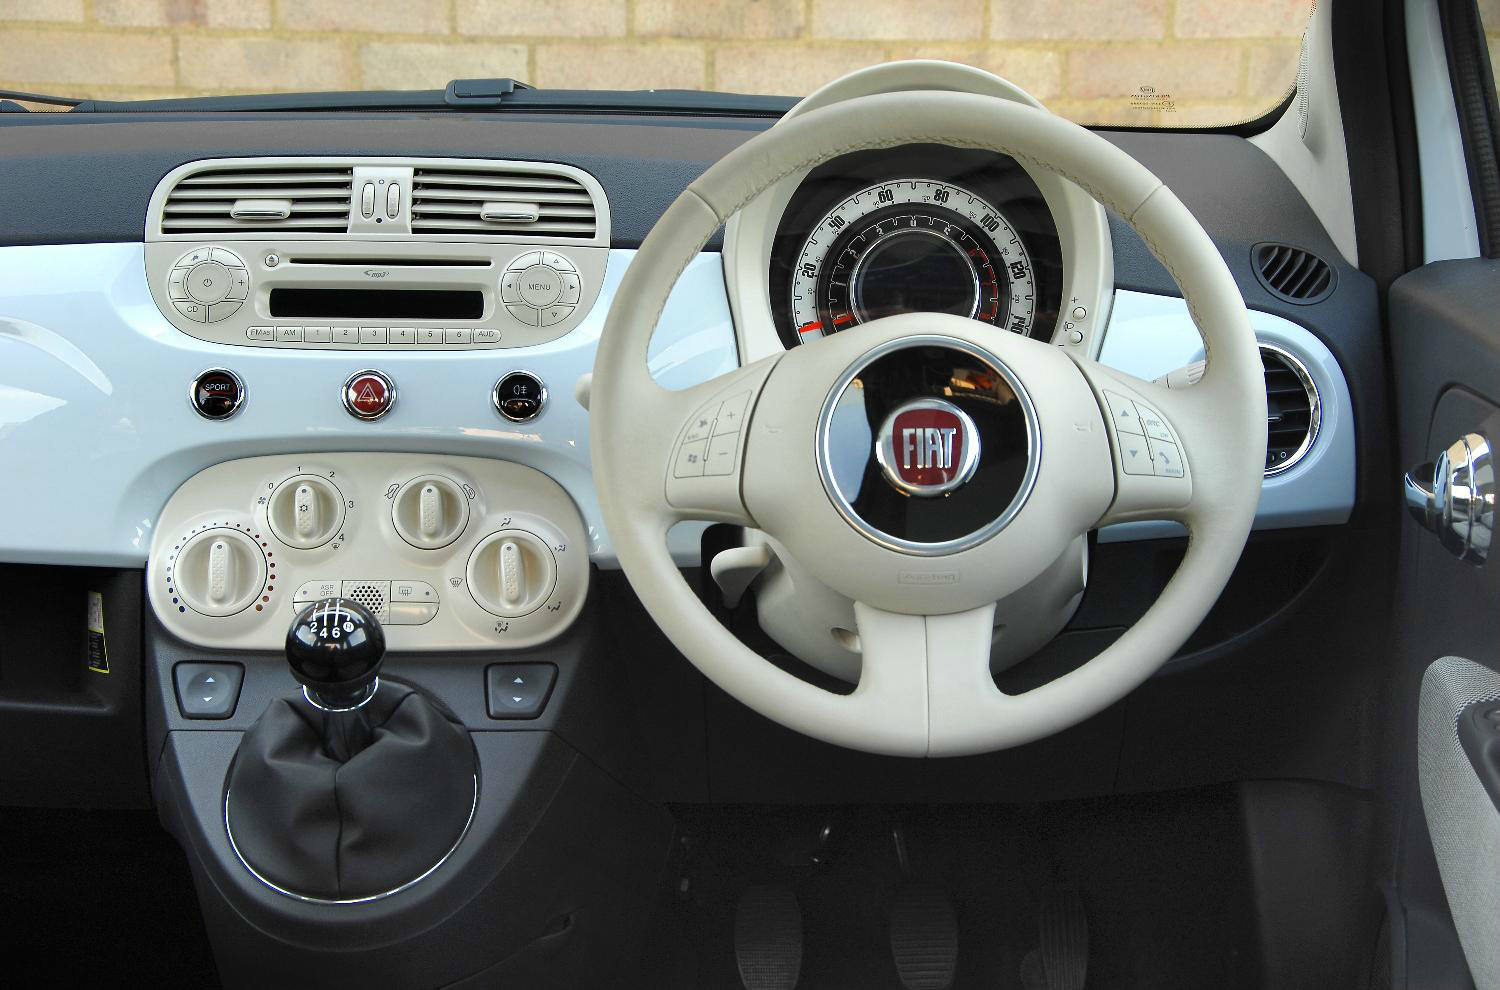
928, 445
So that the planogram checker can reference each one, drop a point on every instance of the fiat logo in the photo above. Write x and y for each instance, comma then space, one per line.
927, 447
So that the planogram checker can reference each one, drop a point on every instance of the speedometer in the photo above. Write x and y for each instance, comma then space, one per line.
912, 245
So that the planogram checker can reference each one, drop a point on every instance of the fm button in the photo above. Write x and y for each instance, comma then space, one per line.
369, 394
217, 393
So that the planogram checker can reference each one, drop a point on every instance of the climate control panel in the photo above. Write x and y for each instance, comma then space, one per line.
450, 553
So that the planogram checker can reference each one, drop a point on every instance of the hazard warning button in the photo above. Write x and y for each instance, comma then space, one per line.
369, 394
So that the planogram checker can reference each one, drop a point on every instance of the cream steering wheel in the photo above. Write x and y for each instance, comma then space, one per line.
1001, 452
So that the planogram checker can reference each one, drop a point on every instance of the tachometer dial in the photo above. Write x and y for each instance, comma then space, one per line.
912, 245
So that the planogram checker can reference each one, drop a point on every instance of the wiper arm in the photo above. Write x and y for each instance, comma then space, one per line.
51, 101
460, 93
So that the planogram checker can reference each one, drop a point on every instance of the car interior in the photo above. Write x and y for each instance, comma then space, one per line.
897, 537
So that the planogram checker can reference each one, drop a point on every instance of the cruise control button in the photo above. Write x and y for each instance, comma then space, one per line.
218, 393
720, 459
1166, 459
369, 394
689, 463
1134, 455
1122, 413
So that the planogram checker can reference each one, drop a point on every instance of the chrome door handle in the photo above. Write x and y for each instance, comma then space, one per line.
1454, 497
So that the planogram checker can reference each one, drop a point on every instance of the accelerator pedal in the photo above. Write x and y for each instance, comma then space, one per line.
924, 936
1061, 959
768, 937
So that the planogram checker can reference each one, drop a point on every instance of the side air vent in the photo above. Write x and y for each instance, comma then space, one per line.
500, 201
305, 199
1292, 274
1293, 409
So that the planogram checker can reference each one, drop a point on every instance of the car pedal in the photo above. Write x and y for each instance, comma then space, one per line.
924, 937
1061, 959
768, 938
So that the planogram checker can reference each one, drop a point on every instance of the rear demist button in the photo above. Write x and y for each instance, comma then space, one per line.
217, 393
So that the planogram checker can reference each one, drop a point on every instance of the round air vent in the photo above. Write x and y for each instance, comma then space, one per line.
1293, 409
1292, 274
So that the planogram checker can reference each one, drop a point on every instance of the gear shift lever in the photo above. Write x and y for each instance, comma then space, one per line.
335, 647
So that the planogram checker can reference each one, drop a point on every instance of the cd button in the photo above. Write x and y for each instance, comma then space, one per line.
195, 311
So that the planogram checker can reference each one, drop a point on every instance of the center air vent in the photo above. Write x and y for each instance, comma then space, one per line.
1293, 409
253, 200
1292, 274
500, 201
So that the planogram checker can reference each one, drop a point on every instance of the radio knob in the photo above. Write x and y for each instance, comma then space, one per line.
430, 512
511, 573
305, 511
219, 572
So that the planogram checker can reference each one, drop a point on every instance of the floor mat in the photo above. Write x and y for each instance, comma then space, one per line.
100, 898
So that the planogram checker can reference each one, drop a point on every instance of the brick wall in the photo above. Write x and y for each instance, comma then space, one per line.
1217, 61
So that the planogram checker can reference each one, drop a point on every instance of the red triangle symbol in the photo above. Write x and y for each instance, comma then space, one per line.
367, 394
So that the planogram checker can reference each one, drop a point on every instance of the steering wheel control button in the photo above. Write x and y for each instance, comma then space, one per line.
731, 414
1166, 459
519, 396
719, 459
690, 458
1122, 413
1155, 426
702, 425
369, 394
928, 447
207, 690
518, 690
1135, 456
217, 393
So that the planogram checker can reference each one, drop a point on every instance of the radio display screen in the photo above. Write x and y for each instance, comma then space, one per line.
378, 304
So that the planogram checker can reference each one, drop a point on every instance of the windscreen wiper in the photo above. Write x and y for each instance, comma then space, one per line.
7, 96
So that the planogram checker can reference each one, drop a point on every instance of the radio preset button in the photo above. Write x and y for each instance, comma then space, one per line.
217, 393
429, 335
318, 335
346, 335
372, 335
289, 335
403, 335
458, 335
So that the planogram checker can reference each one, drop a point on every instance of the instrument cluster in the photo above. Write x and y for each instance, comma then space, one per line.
919, 228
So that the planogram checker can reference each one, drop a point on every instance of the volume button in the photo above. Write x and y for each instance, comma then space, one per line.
512, 580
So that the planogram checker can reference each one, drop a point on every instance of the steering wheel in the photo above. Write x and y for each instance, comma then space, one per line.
926, 466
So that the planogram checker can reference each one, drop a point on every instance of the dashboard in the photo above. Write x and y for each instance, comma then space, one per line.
356, 366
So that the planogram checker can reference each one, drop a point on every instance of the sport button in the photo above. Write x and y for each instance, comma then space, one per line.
217, 393
369, 394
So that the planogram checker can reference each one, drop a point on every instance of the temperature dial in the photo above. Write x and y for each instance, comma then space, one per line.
219, 572
511, 573
305, 511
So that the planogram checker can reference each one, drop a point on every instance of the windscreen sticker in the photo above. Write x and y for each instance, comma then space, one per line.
98, 655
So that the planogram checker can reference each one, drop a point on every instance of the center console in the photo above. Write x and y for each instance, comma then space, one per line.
461, 819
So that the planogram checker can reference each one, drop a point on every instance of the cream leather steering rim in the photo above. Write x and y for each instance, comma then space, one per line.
925, 620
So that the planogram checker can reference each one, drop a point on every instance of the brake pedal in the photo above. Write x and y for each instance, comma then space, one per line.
924, 937
768, 938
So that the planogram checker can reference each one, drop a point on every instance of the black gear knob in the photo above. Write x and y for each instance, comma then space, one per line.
335, 648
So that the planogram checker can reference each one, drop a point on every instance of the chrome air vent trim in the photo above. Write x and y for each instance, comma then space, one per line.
1292, 425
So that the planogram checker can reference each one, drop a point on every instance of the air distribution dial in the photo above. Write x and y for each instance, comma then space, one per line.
219, 572
511, 573
430, 512
305, 511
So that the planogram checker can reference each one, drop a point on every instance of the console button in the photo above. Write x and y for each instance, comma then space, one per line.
368, 395
372, 335
458, 335
346, 335
260, 333
224, 310
519, 396
176, 286
318, 335
239, 283
554, 260
571, 289
409, 613
195, 311
403, 335
486, 335
429, 335
289, 335
553, 315
312, 591
413, 591
218, 393
540, 286
207, 690
518, 690
208, 282
526, 314
367, 200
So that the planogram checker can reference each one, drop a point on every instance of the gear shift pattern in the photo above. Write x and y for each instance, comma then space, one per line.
335, 648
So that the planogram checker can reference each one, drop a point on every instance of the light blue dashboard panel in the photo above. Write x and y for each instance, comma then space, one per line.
96, 430
1150, 335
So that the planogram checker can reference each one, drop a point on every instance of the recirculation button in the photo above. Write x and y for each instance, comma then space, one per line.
217, 393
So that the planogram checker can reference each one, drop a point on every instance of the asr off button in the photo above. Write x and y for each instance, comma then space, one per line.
519, 396
217, 393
